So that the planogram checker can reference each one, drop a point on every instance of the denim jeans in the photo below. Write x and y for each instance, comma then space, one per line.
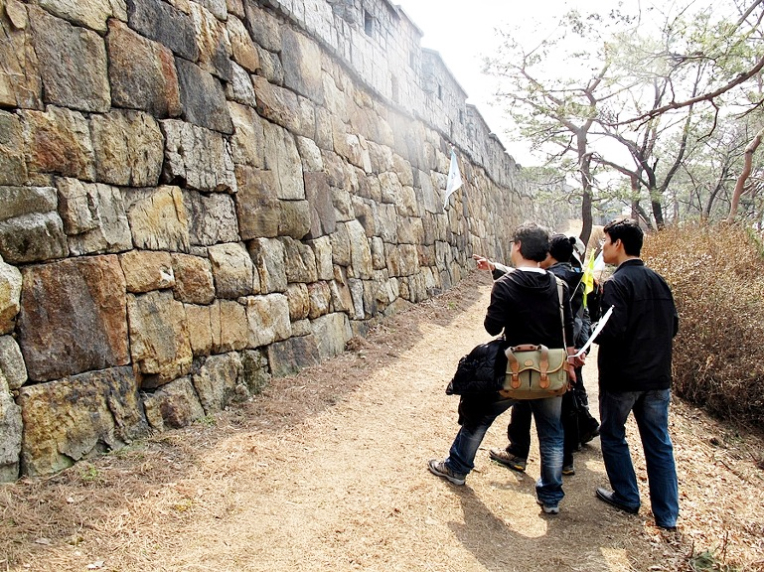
519, 429
651, 413
478, 414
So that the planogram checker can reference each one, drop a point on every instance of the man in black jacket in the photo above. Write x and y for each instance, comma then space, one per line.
635, 375
525, 305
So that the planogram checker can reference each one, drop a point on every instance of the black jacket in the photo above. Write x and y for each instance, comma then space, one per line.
635, 345
526, 306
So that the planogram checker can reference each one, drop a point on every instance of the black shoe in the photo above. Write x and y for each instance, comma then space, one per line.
608, 497
667, 528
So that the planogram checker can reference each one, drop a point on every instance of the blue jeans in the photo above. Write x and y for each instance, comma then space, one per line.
477, 414
651, 413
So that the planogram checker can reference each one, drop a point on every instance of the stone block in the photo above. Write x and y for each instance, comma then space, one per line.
94, 217
282, 158
203, 98
92, 14
215, 382
30, 228
240, 88
264, 28
212, 218
342, 299
277, 104
270, 66
142, 73
320, 299
13, 167
244, 51
323, 219
158, 219
294, 218
212, 39
20, 82
322, 248
299, 301
257, 204
72, 63
255, 373
230, 326
248, 140
200, 331
146, 271
268, 318
293, 355
12, 365
173, 406
78, 417
11, 428
194, 283
341, 245
236, 8
360, 252
197, 158
331, 332
10, 296
300, 261
159, 339
161, 22
269, 257
233, 270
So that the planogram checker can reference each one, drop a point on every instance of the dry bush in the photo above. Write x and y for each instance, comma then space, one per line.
717, 276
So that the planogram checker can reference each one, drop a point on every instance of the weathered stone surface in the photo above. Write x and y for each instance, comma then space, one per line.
194, 283
268, 318
342, 300
20, 83
306, 120
94, 217
410, 230
236, 8
58, 141
73, 317
216, 381
12, 364
299, 301
430, 200
78, 417
342, 201
142, 73
159, 340
312, 162
128, 148
277, 104
378, 260
270, 260
270, 66
244, 52
10, 296
212, 39
341, 245
324, 133
264, 28
240, 88
323, 220
212, 218
89, 13
197, 157
364, 212
146, 271
203, 98
161, 22
217, 7
357, 294
257, 206
255, 371
300, 261
233, 270
332, 333
173, 406
289, 357
360, 253
230, 327
158, 219
320, 299
248, 140
10, 433
386, 223
72, 63
282, 158
200, 328
402, 259
301, 328
322, 248
13, 167
294, 218
30, 228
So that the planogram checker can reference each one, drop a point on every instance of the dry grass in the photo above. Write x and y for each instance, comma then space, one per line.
326, 471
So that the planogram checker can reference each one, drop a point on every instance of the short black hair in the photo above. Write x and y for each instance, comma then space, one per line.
534, 241
561, 247
628, 232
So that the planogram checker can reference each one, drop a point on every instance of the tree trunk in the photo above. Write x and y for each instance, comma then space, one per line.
585, 160
740, 183
655, 201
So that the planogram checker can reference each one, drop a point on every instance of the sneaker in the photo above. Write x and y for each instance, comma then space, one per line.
440, 469
548, 508
508, 460
568, 470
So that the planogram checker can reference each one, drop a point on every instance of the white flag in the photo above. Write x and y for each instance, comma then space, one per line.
454, 178
599, 262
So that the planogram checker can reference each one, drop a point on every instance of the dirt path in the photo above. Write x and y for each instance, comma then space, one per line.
327, 471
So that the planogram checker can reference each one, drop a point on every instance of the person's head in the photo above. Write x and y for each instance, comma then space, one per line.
561, 247
532, 241
623, 239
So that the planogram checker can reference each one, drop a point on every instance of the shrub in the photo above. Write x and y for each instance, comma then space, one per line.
717, 276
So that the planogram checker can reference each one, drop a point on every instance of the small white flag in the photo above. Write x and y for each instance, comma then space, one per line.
454, 178
599, 262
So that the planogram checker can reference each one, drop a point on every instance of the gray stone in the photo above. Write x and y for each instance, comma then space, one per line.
300, 261
10, 296
301, 328
30, 228
72, 63
212, 39
194, 283
294, 218
230, 326
342, 299
233, 270
257, 204
310, 155
255, 371
402, 259
161, 22
146, 271
378, 260
410, 230
216, 381
263, 27
203, 98
11, 428
13, 167
282, 158
240, 87
212, 218
322, 248
244, 51
217, 7
341, 245
293, 355
357, 293
386, 223
270, 66
89, 13
364, 211
142, 73
158, 219
343, 204
320, 299
277, 104
332, 333
20, 83
299, 301
159, 341
196, 157
268, 318
270, 260
173, 406
248, 140
323, 219
94, 217
79, 417
360, 252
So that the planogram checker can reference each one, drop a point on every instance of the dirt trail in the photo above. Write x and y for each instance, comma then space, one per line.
327, 471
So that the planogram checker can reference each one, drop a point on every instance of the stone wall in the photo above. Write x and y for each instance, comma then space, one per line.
198, 195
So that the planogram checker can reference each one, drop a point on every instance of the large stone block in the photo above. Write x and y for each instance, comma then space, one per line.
159, 340
331, 332
203, 98
282, 158
20, 83
92, 14
142, 73
269, 257
320, 299
194, 283
158, 219
73, 317
322, 248
230, 326
294, 218
146, 270
360, 252
268, 318
30, 228
72, 63
233, 270
10, 296
200, 328
58, 141
248, 140
10, 433
161, 22
197, 157
94, 217
12, 364
212, 218
218, 8
299, 301
257, 204
292, 355
13, 167
173, 406
240, 88
255, 371
277, 104
244, 51
264, 28
323, 219
79, 417
214, 47
216, 381
342, 299
300, 261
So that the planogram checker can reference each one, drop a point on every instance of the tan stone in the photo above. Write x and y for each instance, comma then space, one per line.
248, 140
244, 52
146, 270
216, 381
158, 219
13, 167
10, 296
257, 204
320, 299
92, 14
268, 318
269, 257
212, 39
20, 83
11, 428
299, 302
230, 327
173, 406
233, 271
277, 104
194, 283
200, 328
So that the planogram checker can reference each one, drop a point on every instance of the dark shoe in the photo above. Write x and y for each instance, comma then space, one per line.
548, 508
515, 463
568, 470
667, 528
441, 469
608, 497
590, 432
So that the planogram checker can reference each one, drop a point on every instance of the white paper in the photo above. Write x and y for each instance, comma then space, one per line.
596, 332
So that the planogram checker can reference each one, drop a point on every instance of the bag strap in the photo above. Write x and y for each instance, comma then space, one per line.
562, 311
514, 365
